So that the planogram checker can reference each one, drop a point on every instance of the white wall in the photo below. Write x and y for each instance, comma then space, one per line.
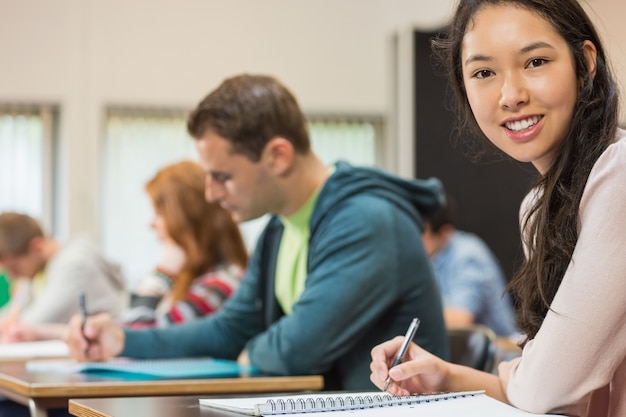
608, 16
86, 54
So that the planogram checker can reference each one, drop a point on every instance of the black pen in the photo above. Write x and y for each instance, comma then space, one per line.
408, 337
82, 302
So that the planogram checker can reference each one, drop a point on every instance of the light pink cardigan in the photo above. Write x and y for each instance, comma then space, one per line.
576, 364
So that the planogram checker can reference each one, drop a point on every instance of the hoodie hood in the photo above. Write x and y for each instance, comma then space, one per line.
417, 198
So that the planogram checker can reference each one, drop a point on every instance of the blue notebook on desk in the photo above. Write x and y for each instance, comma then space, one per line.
151, 368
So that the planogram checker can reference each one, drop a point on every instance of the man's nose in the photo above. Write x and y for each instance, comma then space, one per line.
213, 190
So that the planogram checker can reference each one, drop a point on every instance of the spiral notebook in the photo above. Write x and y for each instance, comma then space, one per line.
466, 404
149, 368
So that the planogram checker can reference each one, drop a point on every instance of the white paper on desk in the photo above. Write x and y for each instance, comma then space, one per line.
38, 349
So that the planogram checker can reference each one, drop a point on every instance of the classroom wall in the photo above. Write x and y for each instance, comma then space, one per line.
86, 54
608, 16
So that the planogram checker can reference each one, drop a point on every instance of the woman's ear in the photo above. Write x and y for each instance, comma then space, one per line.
591, 54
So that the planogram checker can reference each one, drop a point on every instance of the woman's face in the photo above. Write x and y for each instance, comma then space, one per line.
521, 82
158, 224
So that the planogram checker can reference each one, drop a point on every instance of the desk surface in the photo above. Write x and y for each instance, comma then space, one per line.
49, 389
184, 406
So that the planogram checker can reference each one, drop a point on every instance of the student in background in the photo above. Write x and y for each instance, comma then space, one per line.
469, 276
339, 268
57, 273
203, 256
533, 77
202, 260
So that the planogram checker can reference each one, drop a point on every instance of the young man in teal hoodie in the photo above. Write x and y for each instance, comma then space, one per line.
339, 268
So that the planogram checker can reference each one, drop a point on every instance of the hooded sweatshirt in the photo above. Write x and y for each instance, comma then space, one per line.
368, 275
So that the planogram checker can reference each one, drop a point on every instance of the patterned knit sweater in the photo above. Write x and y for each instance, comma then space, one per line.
151, 304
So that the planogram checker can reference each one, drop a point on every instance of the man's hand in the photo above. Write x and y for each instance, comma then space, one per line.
100, 338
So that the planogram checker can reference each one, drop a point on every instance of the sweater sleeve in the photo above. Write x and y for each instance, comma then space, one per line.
581, 343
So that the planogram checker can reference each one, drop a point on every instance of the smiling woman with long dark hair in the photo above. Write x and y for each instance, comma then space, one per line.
531, 77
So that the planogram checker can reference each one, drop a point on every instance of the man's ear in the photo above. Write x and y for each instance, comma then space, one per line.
591, 55
35, 244
279, 155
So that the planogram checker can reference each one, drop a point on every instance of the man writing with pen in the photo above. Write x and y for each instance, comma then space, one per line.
49, 274
339, 268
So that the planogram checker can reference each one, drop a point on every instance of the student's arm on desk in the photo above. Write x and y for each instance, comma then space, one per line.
26, 332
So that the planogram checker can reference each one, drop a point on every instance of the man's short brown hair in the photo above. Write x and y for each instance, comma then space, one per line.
249, 111
16, 232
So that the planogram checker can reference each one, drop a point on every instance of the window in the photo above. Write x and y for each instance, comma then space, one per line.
138, 142
26, 160
357, 139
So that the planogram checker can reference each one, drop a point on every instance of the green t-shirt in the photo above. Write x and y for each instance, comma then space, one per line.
292, 254
5, 288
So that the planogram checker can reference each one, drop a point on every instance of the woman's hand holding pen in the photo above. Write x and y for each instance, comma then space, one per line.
97, 339
421, 372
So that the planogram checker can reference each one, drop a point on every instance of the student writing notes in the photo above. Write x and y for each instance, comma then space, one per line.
339, 268
533, 79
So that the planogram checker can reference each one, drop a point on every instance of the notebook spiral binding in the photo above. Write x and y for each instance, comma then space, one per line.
310, 405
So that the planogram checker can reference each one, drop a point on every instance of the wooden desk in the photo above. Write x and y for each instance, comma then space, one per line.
187, 406
43, 390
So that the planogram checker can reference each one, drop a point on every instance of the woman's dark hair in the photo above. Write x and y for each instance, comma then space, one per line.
551, 227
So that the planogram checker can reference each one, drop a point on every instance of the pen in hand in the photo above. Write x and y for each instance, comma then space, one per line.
83, 312
408, 337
